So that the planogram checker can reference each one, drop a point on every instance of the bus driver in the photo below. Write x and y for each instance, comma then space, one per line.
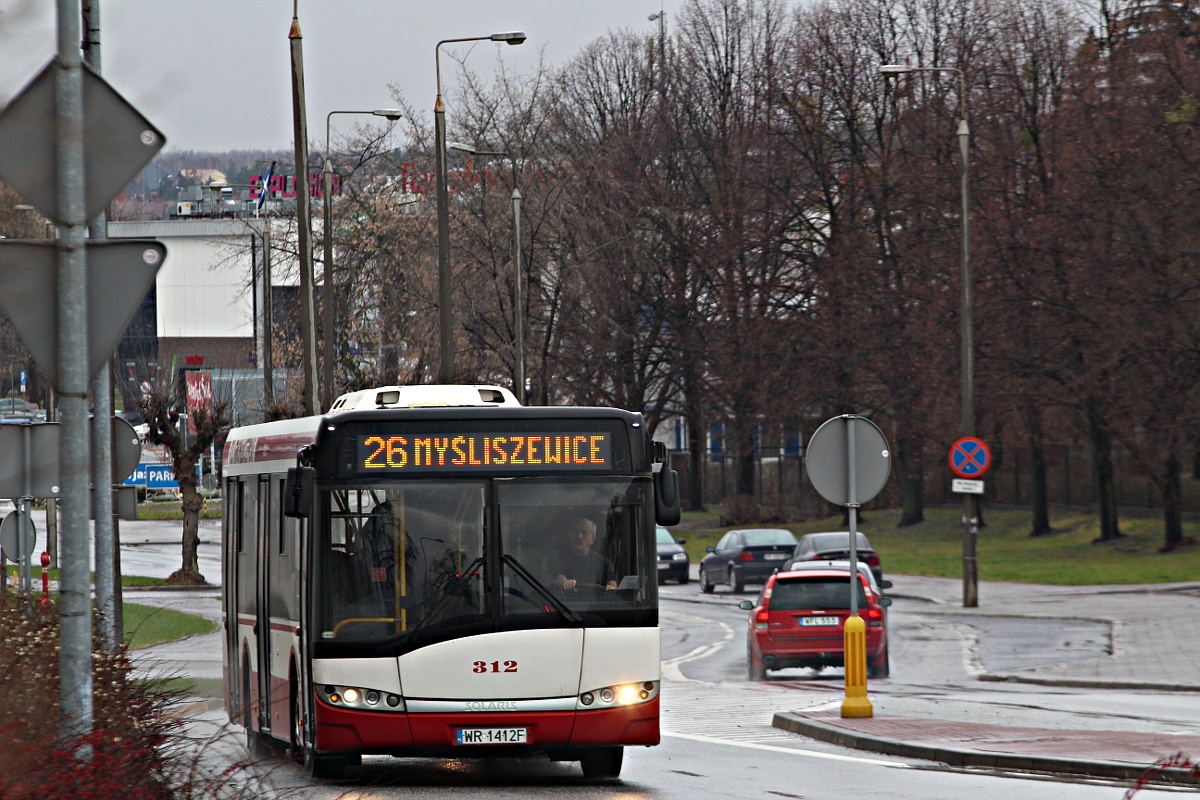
578, 564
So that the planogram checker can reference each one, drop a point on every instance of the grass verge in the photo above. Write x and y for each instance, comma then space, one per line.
1006, 552
147, 625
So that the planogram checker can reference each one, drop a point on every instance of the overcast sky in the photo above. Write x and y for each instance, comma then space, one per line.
214, 74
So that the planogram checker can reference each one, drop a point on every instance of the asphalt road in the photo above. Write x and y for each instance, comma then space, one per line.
718, 741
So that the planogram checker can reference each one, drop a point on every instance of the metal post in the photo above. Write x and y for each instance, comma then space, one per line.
303, 218
268, 319
107, 564
445, 309
52, 502
970, 516
25, 532
328, 337
75, 628
518, 298
852, 507
854, 632
970, 501
445, 286
328, 294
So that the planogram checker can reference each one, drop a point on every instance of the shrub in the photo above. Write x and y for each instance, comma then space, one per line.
130, 726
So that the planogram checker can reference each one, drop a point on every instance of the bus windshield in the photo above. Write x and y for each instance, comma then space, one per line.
404, 564
583, 542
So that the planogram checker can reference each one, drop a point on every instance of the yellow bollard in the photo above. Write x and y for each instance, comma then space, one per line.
856, 703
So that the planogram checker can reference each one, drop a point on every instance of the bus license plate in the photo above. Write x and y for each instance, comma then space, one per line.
490, 736
806, 621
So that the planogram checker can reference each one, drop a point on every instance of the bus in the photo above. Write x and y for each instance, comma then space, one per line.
394, 580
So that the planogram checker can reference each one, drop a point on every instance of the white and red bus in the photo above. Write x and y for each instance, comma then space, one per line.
393, 579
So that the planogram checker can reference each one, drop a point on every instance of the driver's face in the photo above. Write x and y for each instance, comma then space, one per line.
582, 536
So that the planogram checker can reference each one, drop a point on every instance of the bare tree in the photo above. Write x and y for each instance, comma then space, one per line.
164, 415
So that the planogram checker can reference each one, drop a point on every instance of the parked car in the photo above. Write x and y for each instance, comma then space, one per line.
16, 408
672, 558
877, 587
798, 621
6, 508
745, 556
835, 546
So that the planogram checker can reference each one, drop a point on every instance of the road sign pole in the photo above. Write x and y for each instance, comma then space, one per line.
969, 564
852, 508
106, 568
26, 538
75, 625
970, 458
854, 633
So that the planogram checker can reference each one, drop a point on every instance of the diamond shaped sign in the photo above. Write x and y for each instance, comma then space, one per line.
119, 273
117, 143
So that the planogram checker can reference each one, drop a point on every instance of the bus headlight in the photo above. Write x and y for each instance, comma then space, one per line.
359, 698
622, 694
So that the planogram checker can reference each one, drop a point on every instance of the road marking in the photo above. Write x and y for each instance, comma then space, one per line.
971, 662
670, 667
788, 750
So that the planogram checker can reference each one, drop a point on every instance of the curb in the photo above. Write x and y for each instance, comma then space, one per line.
172, 587
962, 757
1088, 683
198, 707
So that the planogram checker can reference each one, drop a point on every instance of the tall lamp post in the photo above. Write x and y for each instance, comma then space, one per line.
518, 294
445, 307
660, 17
328, 316
966, 325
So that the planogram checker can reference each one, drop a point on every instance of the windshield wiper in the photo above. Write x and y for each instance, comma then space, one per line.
559, 605
447, 593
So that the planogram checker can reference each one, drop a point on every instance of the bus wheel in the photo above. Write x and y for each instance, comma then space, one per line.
319, 766
297, 727
602, 763
254, 744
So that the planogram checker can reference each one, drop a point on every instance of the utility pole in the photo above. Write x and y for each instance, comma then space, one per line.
303, 217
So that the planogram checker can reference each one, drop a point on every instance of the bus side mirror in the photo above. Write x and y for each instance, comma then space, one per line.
666, 488
298, 492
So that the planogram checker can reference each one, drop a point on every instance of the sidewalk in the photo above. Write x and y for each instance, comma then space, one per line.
1155, 644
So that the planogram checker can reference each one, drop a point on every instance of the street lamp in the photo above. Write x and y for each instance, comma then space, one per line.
445, 307
661, 17
327, 317
966, 326
518, 295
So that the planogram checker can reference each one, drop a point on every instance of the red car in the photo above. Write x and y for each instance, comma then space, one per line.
799, 617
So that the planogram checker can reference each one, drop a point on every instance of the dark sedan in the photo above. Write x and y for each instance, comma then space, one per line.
673, 561
835, 546
746, 556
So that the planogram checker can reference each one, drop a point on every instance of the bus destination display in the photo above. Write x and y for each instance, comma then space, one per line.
471, 452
